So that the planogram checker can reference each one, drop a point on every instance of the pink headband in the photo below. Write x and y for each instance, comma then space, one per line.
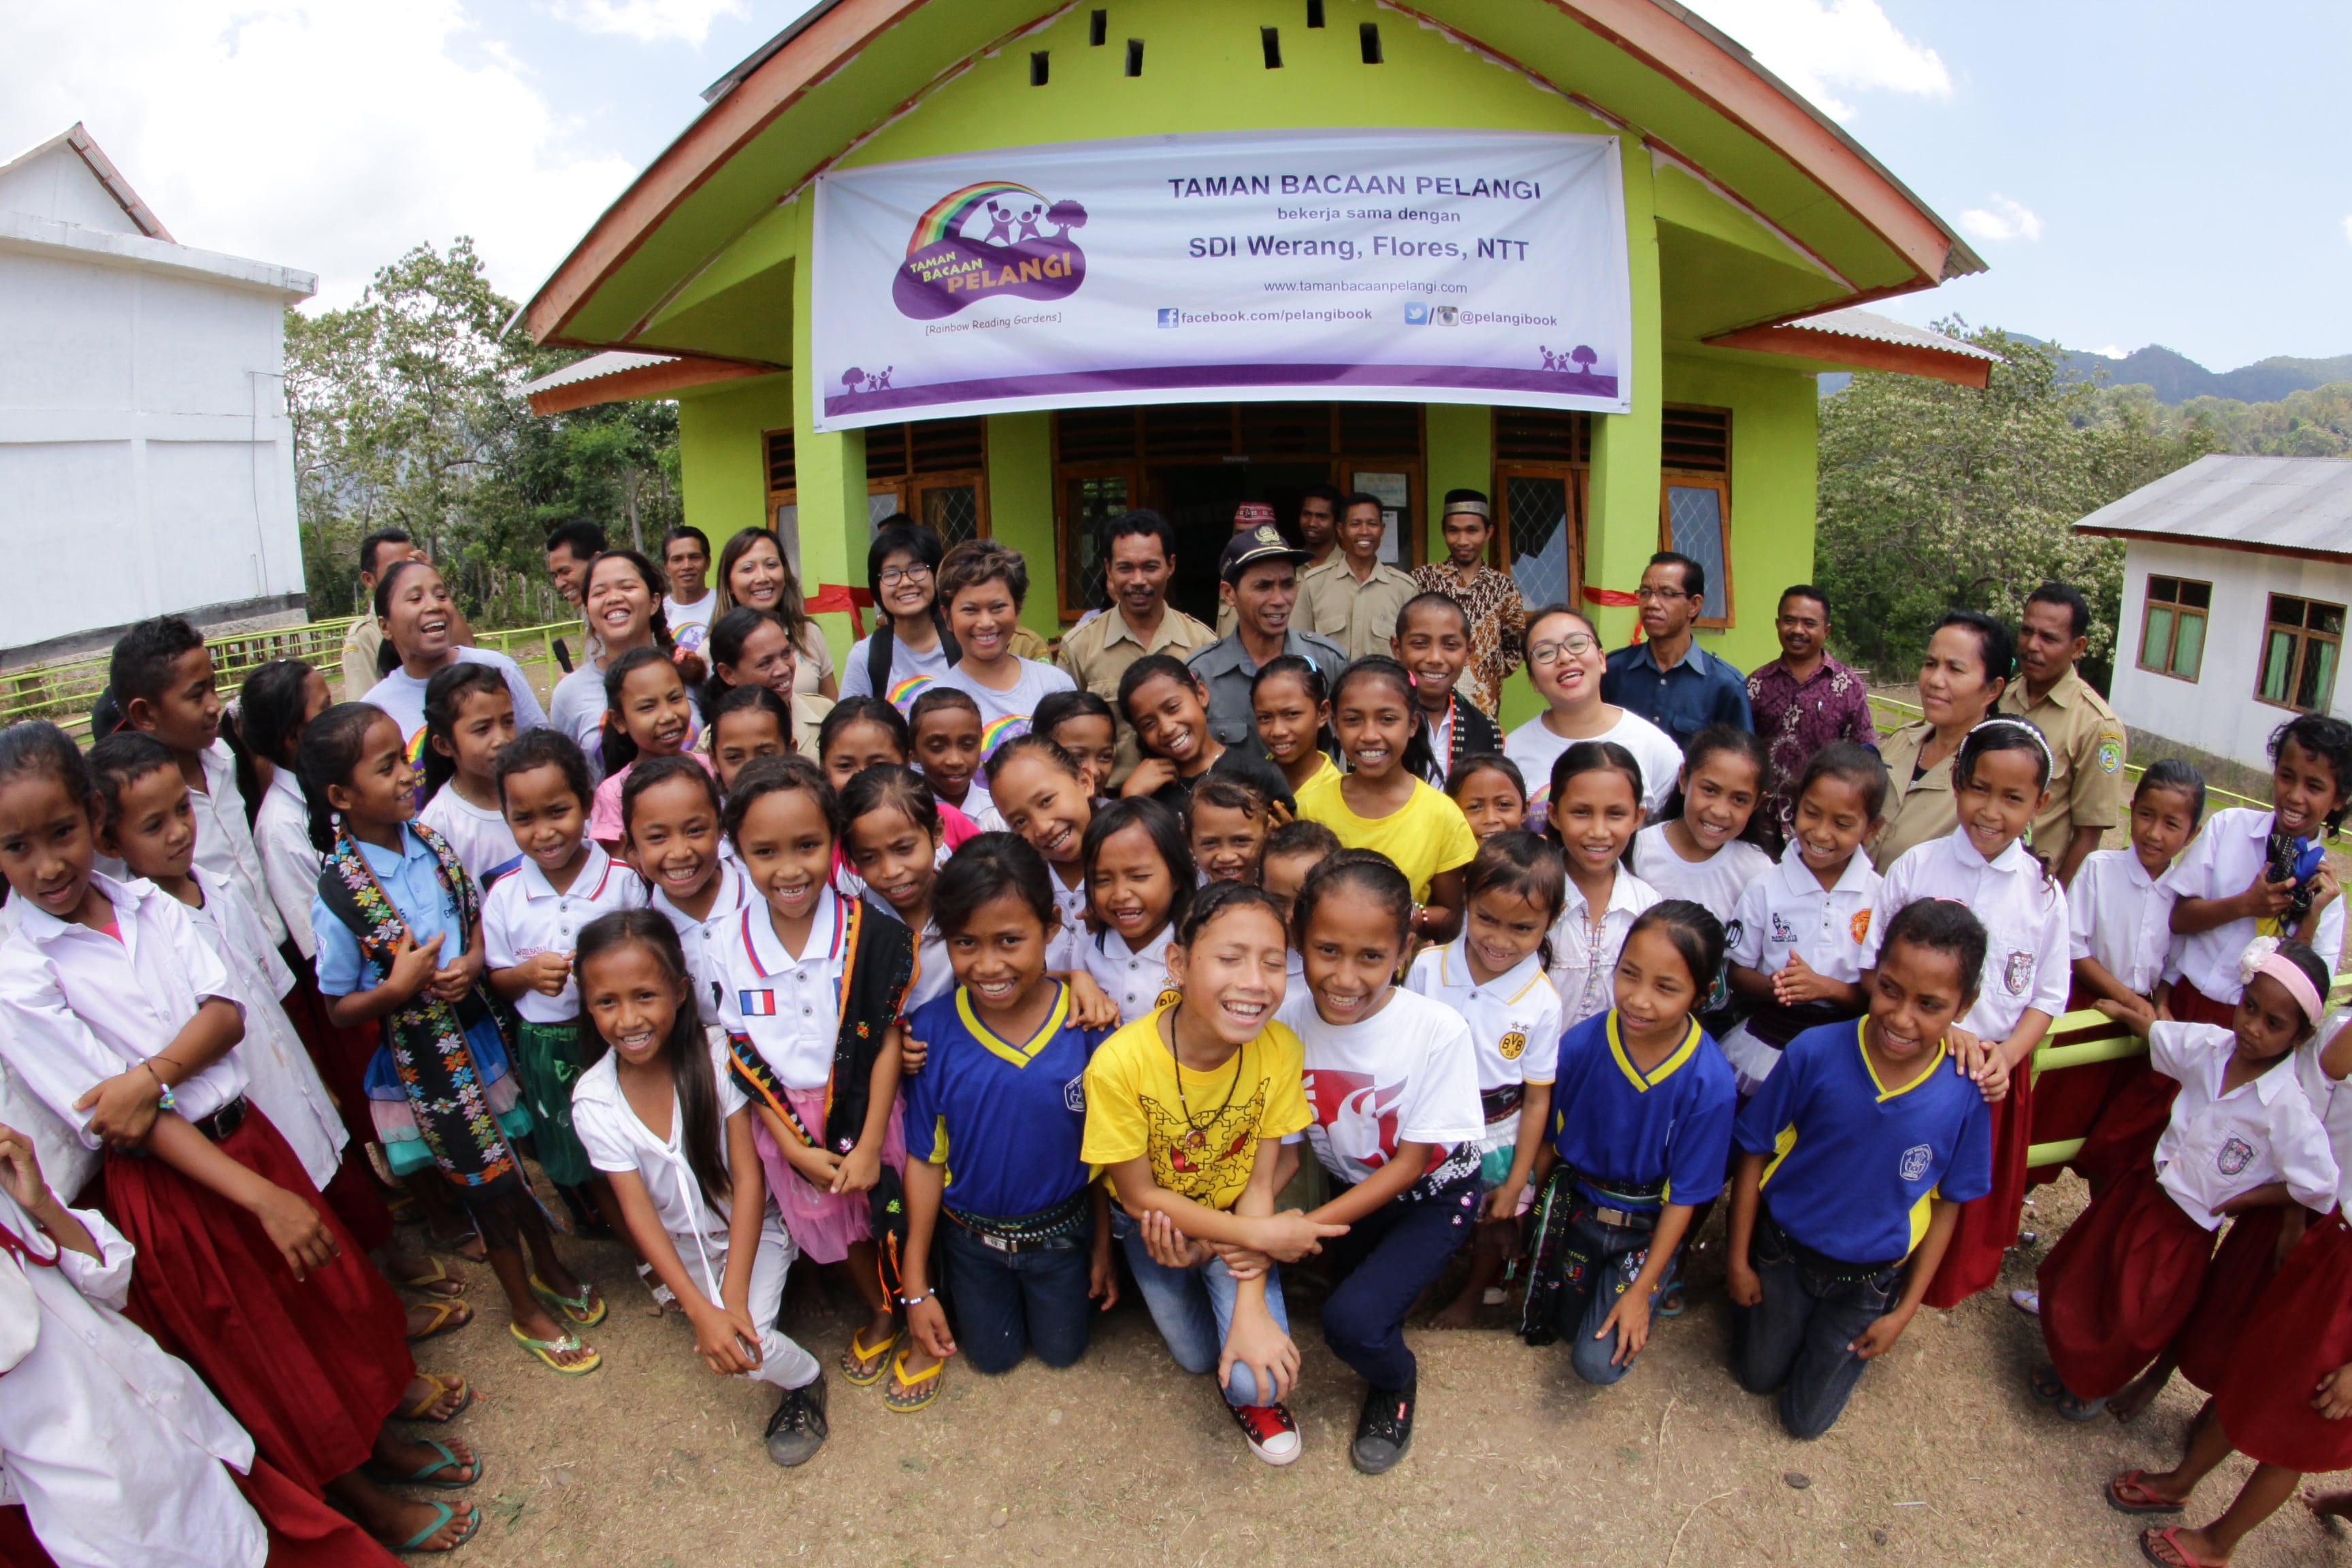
2262, 957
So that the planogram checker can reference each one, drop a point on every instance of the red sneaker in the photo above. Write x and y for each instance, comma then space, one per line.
1272, 1435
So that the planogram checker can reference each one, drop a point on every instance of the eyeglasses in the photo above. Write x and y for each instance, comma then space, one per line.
903, 575
1575, 644
1662, 596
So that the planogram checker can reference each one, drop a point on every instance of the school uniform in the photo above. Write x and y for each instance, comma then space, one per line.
695, 936
2121, 1283
1515, 1031
1715, 883
1852, 1170
289, 861
2024, 914
1787, 912
485, 844
312, 1367
2121, 916
1630, 1143
1065, 953
1137, 981
523, 917
2221, 862
1584, 957
224, 844
1406, 1075
1005, 1119
617, 1140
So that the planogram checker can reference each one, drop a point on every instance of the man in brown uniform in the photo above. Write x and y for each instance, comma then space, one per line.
1353, 598
2087, 792
1140, 552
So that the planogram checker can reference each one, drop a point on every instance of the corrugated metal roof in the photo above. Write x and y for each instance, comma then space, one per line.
612, 362
1875, 327
2291, 505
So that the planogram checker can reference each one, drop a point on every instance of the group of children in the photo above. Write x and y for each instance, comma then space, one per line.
934, 1000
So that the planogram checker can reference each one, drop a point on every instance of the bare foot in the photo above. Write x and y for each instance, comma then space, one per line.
463, 1242
2330, 1509
400, 1459
448, 1397
1462, 1312
2137, 1396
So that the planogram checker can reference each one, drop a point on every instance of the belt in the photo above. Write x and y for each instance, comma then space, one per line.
223, 1123
1498, 1103
1029, 1233
1629, 1194
1836, 1271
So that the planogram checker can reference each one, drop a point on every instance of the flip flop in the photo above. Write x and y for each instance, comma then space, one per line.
441, 1385
447, 1315
447, 1461
547, 1351
417, 1542
575, 1307
863, 1368
426, 1284
908, 1394
455, 1247
2074, 1407
2130, 1493
2045, 1385
2168, 1536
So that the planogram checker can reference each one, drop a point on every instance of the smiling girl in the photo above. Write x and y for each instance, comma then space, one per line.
1292, 704
419, 620
672, 811
1707, 849
468, 716
1139, 882
623, 601
1046, 795
1081, 723
650, 715
1596, 791
912, 649
753, 575
982, 584
1169, 707
1492, 794
752, 647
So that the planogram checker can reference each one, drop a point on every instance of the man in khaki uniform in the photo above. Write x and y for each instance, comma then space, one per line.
2087, 792
385, 547
1140, 553
1353, 598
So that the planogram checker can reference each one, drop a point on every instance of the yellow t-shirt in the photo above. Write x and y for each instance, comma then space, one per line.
1428, 836
1203, 1140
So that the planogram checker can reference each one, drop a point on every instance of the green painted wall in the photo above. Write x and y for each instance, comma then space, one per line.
722, 462
1458, 453
1021, 507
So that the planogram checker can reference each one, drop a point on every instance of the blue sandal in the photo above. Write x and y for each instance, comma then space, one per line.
447, 1461
417, 1542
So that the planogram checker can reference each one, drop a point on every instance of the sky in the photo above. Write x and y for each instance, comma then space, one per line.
2155, 172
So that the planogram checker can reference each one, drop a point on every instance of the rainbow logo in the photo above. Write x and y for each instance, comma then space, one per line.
903, 695
1005, 729
944, 219
993, 239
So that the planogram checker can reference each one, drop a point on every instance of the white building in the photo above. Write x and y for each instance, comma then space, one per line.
2237, 576
146, 461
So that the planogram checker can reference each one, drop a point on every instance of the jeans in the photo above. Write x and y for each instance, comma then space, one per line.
1194, 1309
1796, 1339
1005, 1303
1602, 1263
1383, 1265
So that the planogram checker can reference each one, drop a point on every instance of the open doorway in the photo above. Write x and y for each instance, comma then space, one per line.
1200, 500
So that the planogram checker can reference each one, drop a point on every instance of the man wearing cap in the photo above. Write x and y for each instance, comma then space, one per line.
1260, 580
1353, 598
2087, 745
1139, 552
1250, 514
1498, 616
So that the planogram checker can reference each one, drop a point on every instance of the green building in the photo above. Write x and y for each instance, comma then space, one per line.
1753, 227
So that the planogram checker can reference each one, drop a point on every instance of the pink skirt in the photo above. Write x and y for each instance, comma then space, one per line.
822, 1225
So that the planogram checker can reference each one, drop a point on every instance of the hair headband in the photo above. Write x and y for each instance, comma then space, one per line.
2262, 957
2006, 722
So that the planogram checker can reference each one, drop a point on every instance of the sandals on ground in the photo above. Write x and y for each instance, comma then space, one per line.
448, 1314
548, 1350
2154, 1546
442, 1388
2130, 1493
863, 1367
576, 1308
908, 1394
444, 1513
424, 1475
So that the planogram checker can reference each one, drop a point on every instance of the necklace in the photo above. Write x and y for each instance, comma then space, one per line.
1196, 1133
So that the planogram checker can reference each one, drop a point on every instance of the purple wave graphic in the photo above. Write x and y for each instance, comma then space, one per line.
945, 277
1190, 377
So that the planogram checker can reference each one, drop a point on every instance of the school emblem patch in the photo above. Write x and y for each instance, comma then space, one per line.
1860, 926
2236, 1156
1511, 1044
1782, 930
2017, 972
1913, 1164
2111, 754
1168, 996
1074, 1095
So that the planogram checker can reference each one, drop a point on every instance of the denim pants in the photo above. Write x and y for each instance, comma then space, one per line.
1006, 1302
1796, 1339
1194, 1308
1603, 1261
1383, 1265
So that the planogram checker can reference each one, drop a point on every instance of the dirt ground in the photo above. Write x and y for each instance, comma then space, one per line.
1941, 1458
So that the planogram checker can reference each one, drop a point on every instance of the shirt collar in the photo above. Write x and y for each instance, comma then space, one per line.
126, 896
2268, 1085
1621, 896
2008, 859
1798, 879
1696, 661
1507, 986
2065, 693
1156, 947
219, 764
588, 884
766, 950
1822, 671
283, 781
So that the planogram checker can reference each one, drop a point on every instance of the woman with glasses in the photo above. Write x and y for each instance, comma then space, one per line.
753, 575
1565, 660
912, 647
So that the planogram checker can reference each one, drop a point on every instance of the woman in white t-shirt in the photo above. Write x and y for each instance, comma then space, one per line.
982, 583
691, 603
418, 617
753, 575
912, 646
1565, 660
622, 600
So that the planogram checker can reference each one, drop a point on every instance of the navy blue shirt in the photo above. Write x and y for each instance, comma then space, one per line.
1004, 1119
1613, 1123
1701, 689
1853, 1165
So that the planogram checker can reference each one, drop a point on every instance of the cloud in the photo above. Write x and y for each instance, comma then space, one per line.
2001, 219
1823, 47
2111, 352
2347, 226
650, 21
329, 135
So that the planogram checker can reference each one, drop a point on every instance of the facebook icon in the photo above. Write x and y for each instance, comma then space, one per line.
1170, 318
1417, 313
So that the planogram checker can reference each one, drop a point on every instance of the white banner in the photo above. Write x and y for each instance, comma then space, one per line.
1376, 266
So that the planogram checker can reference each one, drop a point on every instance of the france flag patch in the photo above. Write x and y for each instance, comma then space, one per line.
756, 1004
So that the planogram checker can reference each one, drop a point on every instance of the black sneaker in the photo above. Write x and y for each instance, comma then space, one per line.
798, 1428
1384, 1430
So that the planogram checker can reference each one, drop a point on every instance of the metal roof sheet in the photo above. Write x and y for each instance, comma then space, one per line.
596, 366
2300, 506
1875, 327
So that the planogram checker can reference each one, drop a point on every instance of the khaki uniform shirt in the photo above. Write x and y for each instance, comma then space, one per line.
1916, 813
1360, 616
361, 644
2087, 752
1097, 652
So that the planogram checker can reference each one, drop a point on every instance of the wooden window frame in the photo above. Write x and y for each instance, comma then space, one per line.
2180, 610
2304, 637
1578, 478
1070, 586
1671, 475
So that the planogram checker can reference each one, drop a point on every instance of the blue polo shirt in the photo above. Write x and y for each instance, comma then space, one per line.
1613, 1123
1853, 1164
1701, 689
1004, 1119
412, 880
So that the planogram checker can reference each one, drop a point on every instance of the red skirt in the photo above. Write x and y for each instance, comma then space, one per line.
341, 1056
2234, 1285
309, 1367
2118, 1285
304, 1531
358, 1202
2300, 1331
1988, 1227
19, 1547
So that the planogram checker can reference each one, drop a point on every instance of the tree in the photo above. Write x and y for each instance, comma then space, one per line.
1934, 496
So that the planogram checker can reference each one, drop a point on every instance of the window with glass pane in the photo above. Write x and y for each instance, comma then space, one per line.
2172, 629
1090, 502
952, 512
1537, 508
2301, 646
1695, 528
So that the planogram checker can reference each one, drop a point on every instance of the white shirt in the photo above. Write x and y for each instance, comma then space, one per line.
280, 1077
1788, 910
402, 695
788, 1005
2331, 1102
934, 970
485, 845
524, 916
2024, 916
1004, 714
289, 864
977, 803
689, 625
2217, 1146
224, 844
1584, 962
911, 673
78, 1007
2221, 862
1408, 1074
1535, 747
577, 707
2118, 914
617, 1139
1514, 1018
1138, 981
1065, 953
119, 1452
696, 936
1715, 883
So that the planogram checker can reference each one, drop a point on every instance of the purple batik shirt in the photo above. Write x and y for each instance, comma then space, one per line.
1798, 718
